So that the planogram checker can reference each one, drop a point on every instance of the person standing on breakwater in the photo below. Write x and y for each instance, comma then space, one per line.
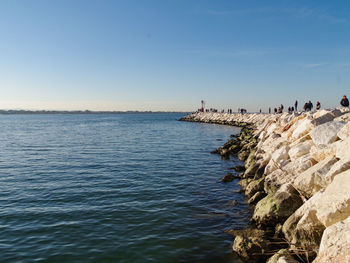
269, 110
318, 105
344, 102
296, 105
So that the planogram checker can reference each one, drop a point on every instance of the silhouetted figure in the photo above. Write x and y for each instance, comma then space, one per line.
282, 108
260, 110
310, 105
344, 102
275, 110
292, 108
305, 108
318, 105
269, 110
296, 105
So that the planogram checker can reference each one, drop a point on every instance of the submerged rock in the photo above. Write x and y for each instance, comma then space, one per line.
229, 177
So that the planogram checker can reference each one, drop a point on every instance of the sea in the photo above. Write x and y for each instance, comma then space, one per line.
137, 187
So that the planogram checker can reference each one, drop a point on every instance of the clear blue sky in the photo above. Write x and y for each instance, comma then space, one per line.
169, 55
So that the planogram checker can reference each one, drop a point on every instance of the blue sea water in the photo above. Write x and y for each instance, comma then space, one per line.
115, 188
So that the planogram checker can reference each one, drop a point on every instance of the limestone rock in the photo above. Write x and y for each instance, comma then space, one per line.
254, 186
323, 119
343, 148
299, 165
251, 170
256, 197
339, 167
326, 133
335, 243
302, 228
312, 180
274, 180
280, 257
303, 127
334, 203
321, 152
278, 159
345, 117
344, 132
300, 150
277, 207
250, 245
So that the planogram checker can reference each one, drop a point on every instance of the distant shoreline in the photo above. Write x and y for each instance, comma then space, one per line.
12, 112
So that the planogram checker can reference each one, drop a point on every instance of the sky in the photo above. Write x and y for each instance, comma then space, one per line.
168, 55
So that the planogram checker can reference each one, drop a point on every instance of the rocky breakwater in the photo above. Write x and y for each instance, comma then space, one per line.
296, 175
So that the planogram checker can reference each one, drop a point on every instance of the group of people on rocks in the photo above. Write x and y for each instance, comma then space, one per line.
308, 106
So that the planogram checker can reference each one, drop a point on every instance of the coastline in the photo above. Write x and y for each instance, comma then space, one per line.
296, 176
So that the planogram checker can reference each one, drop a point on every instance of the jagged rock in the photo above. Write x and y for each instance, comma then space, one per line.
303, 127
273, 181
298, 166
300, 150
344, 132
276, 208
326, 133
313, 179
250, 159
302, 228
343, 148
334, 203
253, 187
250, 245
229, 177
256, 197
339, 167
244, 183
239, 168
320, 152
335, 243
345, 117
282, 257
278, 159
323, 119
288, 173
243, 155
234, 148
252, 169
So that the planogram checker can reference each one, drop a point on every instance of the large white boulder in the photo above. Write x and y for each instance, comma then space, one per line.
334, 203
312, 180
278, 159
303, 127
299, 165
339, 167
300, 150
326, 133
335, 244
344, 132
302, 228
321, 152
343, 148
